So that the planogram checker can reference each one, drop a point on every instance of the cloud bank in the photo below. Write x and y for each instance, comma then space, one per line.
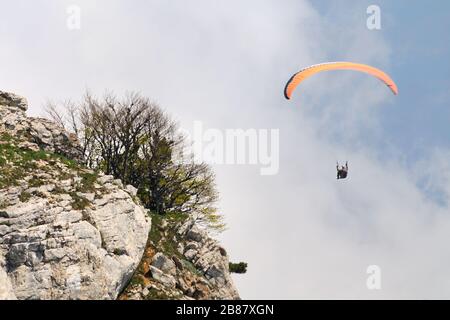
304, 234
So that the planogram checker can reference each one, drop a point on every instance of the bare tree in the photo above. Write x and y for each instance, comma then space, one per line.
135, 141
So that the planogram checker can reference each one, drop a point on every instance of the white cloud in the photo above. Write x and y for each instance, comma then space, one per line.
304, 234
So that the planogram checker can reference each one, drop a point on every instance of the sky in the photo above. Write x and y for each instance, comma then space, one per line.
304, 234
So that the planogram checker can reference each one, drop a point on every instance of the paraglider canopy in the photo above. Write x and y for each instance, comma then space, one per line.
300, 76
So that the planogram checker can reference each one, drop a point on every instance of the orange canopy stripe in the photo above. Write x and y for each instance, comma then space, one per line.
298, 78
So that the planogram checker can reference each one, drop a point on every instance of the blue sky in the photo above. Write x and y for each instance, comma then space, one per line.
417, 121
421, 48
418, 35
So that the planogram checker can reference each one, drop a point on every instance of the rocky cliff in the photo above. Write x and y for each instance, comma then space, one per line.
181, 262
67, 232
35, 133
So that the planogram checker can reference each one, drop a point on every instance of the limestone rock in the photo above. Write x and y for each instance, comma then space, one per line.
53, 251
66, 232
163, 263
200, 271
6, 289
35, 133
209, 257
163, 278
195, 234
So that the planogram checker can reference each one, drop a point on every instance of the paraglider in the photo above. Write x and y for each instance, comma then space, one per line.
305, 73
342, 171
299, 77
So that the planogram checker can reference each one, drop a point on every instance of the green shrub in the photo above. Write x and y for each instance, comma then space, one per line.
79, 203
24, 196
88, 182
240, 267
